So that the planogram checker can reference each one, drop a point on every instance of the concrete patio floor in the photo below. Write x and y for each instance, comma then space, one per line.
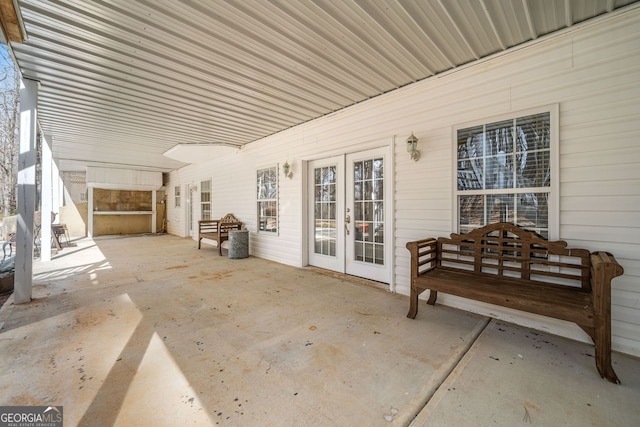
149, 330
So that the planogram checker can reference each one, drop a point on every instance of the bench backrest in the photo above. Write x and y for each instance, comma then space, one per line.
223, 225
507, 250
229, 218
229, 222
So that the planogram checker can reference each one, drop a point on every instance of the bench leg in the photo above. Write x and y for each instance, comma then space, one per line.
219, 248
602, 340
413, 304
199, 240
433, 296
414, 301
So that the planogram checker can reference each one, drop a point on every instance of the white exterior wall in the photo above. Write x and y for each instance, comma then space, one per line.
591, 72
123, 179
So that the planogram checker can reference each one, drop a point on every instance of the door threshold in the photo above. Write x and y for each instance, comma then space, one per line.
350, 278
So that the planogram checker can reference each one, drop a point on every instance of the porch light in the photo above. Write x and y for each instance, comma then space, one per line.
412, 144
286, 170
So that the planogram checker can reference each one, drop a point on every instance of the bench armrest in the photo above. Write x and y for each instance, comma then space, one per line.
208, 226
604, 268
423, 256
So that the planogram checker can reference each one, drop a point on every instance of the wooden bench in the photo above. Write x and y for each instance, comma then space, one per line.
506, 265
217, 229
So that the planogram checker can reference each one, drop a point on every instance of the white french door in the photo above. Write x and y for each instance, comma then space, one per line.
349, 214
326, 208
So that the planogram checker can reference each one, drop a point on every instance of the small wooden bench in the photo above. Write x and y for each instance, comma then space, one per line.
217, 229
506, 265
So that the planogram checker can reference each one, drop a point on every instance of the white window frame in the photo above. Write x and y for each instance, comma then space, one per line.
177, 193
203, 204
260, 200
553, 189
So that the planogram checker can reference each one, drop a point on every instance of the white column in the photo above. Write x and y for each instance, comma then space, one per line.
55, 188
46, 199
23, 280
60, 192
154, 213
90, 212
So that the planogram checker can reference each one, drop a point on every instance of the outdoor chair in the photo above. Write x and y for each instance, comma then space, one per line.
58, 230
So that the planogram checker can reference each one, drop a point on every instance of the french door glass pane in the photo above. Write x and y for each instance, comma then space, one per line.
368, 211
325, 223
205, 199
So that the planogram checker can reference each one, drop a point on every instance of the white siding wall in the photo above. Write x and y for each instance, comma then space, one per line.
591, 72
125, 179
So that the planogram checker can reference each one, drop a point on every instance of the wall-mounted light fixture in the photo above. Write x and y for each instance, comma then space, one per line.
412, 147
193, 187
286, 170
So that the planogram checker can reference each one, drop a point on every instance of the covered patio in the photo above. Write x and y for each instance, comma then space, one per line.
149, 330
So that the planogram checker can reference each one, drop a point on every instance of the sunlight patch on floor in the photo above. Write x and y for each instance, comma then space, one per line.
160, 394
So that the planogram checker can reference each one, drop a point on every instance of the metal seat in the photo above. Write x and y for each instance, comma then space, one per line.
58, 230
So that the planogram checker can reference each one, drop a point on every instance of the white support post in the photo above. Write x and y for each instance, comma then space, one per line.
90, 212
46, 199
55, 188
154, 212
23, 279
60, 192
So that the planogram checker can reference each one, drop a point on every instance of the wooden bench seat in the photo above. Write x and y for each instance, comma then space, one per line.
505, 265
542, 298
217, 229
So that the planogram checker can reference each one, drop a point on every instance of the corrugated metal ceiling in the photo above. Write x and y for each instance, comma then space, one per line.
123, 81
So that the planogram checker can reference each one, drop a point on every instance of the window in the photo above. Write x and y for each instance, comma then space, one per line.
205, 199
267, 198
177, 196
504, 173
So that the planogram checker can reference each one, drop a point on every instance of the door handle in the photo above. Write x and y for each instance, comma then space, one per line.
347, 221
